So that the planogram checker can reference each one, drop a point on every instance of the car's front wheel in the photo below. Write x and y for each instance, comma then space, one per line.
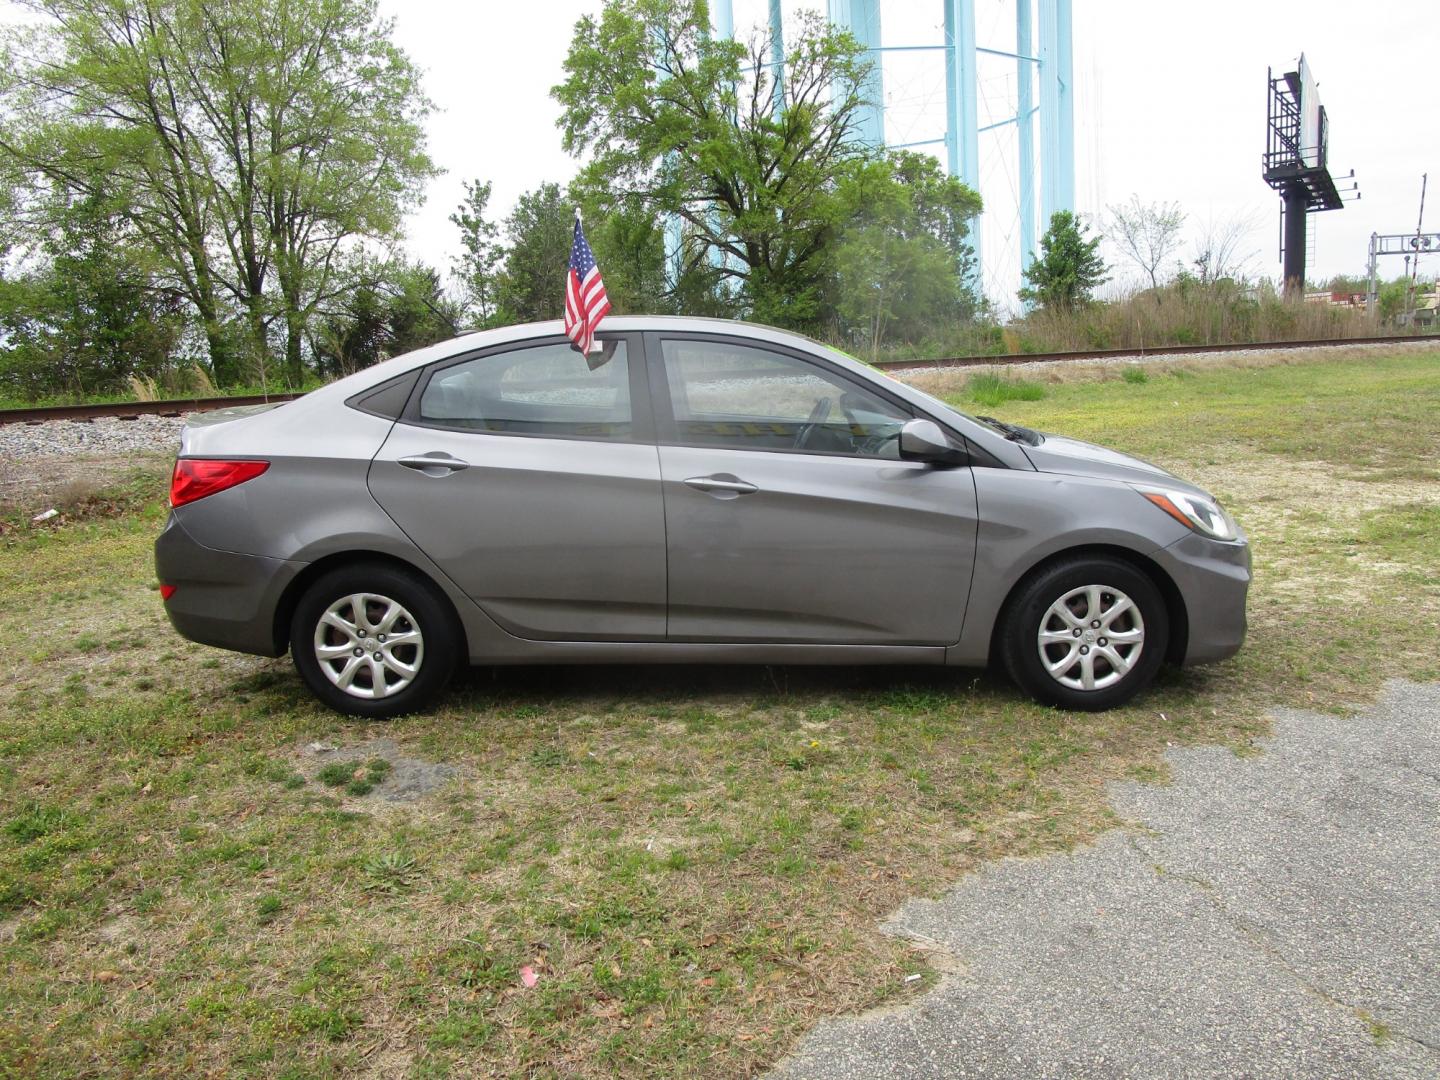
1085, 633
374, 640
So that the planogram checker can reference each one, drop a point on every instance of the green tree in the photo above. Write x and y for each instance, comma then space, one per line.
630, 248
678, 121
903, 264
261, 140
390, 309
1393, 298
418, 312
478, 266
86, 315
1069, 268
538, 233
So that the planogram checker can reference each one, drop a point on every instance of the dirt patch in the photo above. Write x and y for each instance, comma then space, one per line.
35, 484
406, 780
120, 929
1267, 483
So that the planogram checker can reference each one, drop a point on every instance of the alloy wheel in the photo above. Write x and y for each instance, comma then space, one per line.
1091, 637
369, 646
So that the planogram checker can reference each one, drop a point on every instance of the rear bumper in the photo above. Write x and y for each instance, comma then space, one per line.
1213, 579
221, 598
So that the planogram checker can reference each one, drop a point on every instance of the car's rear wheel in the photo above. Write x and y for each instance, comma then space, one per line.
374, 640
1085, 633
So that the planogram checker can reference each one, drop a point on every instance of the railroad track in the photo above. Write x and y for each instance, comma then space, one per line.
129, 410
1158, 350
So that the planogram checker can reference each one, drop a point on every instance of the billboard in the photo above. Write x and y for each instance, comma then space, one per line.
1312, 120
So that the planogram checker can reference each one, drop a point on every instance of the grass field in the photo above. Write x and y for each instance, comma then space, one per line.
688, 864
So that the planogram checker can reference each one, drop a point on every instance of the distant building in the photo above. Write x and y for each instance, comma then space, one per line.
1427, 307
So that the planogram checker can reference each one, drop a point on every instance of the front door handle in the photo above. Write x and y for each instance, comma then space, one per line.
436, 463
722, 487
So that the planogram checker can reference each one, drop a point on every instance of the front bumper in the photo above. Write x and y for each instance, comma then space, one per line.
222, 598
1213, 579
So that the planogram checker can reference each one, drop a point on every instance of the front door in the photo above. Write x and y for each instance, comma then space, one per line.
789, 514
532, 480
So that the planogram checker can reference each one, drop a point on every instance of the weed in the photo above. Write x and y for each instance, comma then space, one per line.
355, 778
391, 871
268, 907
35, 821
336, 774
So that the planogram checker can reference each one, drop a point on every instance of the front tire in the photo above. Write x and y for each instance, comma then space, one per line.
1085, 633
373, 640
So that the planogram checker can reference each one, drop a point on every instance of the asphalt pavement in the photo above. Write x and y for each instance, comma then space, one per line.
1275, 915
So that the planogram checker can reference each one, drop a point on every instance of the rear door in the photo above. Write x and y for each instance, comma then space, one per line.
789, 513
532, 478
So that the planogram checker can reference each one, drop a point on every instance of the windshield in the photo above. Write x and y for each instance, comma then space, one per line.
1013, 432
940, 404
943, 406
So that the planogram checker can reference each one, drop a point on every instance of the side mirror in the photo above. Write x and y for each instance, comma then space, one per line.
922, 440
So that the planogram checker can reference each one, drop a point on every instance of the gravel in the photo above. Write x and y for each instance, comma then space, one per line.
42, 465
106, 437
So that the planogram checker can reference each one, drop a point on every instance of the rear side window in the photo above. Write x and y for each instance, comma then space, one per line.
388, 399
542, 390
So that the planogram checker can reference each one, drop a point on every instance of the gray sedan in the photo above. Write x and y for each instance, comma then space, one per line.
698, 491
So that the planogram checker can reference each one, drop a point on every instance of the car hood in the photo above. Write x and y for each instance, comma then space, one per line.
1057, 454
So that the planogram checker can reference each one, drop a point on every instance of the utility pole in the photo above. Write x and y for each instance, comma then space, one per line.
1414, 267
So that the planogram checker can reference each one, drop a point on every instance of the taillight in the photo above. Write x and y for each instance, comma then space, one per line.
196, 478
167, 591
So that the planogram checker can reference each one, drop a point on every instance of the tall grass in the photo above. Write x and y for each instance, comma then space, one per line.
990, 389
1183, 313
1189, 313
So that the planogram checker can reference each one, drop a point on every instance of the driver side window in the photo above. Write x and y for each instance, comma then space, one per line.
726, 394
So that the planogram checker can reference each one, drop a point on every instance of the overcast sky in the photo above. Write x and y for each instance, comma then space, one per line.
1170, 104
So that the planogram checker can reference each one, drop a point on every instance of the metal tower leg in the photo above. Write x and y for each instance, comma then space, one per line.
722, 19
862, 18
962, 126
777, 56
1025, 129
1057, 111
1065, 175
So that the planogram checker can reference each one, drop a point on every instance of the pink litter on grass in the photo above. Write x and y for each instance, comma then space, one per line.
528, 977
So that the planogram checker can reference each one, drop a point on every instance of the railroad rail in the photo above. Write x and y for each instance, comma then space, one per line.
129, 410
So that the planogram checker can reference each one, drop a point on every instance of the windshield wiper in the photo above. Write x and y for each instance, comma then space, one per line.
1014, 432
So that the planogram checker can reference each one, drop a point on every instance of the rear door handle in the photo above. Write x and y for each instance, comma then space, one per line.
436, 463
721, 486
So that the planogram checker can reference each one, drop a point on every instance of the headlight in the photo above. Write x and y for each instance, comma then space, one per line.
1194, 512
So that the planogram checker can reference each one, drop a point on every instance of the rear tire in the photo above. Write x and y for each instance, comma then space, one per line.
1086, 633
374, 640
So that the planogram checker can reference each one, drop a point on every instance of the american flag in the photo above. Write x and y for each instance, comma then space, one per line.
585, 300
